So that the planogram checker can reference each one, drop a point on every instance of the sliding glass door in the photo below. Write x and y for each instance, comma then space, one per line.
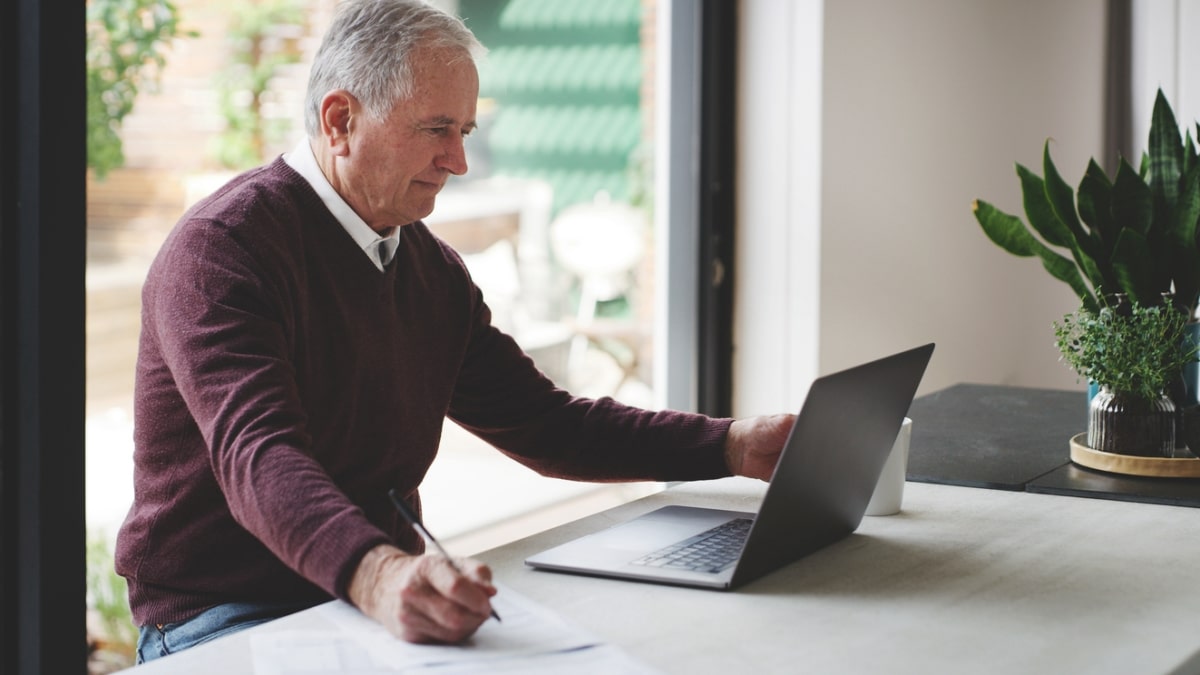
580, 219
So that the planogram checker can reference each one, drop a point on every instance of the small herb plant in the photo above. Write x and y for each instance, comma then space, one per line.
1133, 350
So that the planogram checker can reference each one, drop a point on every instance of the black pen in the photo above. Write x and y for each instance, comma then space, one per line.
416, 523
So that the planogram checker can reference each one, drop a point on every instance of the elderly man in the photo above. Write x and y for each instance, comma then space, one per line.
304, 336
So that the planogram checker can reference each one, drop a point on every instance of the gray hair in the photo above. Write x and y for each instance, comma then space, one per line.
368, 51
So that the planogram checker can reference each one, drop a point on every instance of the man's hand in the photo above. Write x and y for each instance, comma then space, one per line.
422, 598
753, 444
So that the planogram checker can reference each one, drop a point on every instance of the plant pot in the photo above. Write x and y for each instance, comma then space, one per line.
1191, 372
1187, 432
1128, 425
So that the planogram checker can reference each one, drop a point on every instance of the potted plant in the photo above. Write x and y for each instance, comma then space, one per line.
1134, 234
1132, 352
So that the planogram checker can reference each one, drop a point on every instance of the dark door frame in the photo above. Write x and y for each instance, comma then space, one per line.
42, 265
716, 214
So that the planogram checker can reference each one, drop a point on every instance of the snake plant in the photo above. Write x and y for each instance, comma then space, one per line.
1134, 234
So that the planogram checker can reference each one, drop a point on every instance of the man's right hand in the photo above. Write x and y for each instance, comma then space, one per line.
422, 598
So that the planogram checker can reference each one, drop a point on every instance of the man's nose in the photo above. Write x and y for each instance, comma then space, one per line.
454, 158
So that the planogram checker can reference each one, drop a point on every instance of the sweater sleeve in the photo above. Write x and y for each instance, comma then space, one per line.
502, 397
222, 326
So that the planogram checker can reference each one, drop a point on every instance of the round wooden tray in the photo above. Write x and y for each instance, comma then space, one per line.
1133, 465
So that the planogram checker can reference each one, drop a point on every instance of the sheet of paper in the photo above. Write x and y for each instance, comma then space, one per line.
597, 660
305, 652
529, 639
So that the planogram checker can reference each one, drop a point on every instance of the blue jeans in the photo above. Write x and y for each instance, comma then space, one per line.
155, 641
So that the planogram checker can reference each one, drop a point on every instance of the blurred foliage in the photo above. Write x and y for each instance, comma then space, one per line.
113, 633
126, 45
262, 36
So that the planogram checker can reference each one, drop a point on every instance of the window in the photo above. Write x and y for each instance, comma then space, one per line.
568, 135
564, 149
43, 329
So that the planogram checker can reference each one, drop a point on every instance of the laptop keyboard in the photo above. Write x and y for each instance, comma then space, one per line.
711, 551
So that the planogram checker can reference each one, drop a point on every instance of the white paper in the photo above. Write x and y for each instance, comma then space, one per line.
529, 639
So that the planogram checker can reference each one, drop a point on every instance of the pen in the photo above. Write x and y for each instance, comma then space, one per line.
416, 523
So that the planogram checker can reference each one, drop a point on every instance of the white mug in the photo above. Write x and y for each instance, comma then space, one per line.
889, 491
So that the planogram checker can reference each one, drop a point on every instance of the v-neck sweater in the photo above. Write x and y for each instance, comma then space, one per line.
284, 385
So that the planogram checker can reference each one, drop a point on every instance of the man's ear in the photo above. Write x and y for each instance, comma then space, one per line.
338, 110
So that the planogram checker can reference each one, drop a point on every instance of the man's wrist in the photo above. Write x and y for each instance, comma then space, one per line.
361, 590
732, 455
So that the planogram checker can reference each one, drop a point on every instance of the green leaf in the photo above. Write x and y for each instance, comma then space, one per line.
1064, 270
1009, 233
1190, 157
1062, 199
1092, 272
1005, 230
1135, 268
1183, 228
1166, 153
1181, 240
1039, 211
1132, 201
1057, 197
1095, 206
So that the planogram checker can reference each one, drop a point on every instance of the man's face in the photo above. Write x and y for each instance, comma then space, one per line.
396, 166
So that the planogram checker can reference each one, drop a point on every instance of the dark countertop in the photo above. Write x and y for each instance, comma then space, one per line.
1018, 438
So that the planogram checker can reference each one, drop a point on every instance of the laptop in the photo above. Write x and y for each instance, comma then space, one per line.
818, 494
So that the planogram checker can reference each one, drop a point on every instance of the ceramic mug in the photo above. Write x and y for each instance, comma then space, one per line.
889, 491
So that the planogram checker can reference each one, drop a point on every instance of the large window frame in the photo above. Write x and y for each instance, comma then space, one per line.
697, 174
42, 264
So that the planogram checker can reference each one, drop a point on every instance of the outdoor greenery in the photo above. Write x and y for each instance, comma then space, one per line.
262, 37
116, 635
126, 53
1133, 350
1135, 234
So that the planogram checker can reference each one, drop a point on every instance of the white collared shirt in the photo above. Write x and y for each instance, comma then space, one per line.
378, 248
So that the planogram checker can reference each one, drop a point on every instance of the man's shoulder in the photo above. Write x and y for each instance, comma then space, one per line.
271, 188
271, 203
266, 214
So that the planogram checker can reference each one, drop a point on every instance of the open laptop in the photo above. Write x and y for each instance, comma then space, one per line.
817, 495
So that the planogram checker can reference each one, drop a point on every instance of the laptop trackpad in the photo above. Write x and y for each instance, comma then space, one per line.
660, 528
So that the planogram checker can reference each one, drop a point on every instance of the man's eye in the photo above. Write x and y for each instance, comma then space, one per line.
446, 131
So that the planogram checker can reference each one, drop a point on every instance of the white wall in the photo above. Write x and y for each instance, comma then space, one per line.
925, 106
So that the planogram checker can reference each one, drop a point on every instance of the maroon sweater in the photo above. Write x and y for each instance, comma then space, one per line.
284, 384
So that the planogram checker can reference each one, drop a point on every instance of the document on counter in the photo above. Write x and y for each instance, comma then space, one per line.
531, 639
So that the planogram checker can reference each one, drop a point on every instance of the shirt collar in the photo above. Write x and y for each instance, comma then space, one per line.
379, 249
